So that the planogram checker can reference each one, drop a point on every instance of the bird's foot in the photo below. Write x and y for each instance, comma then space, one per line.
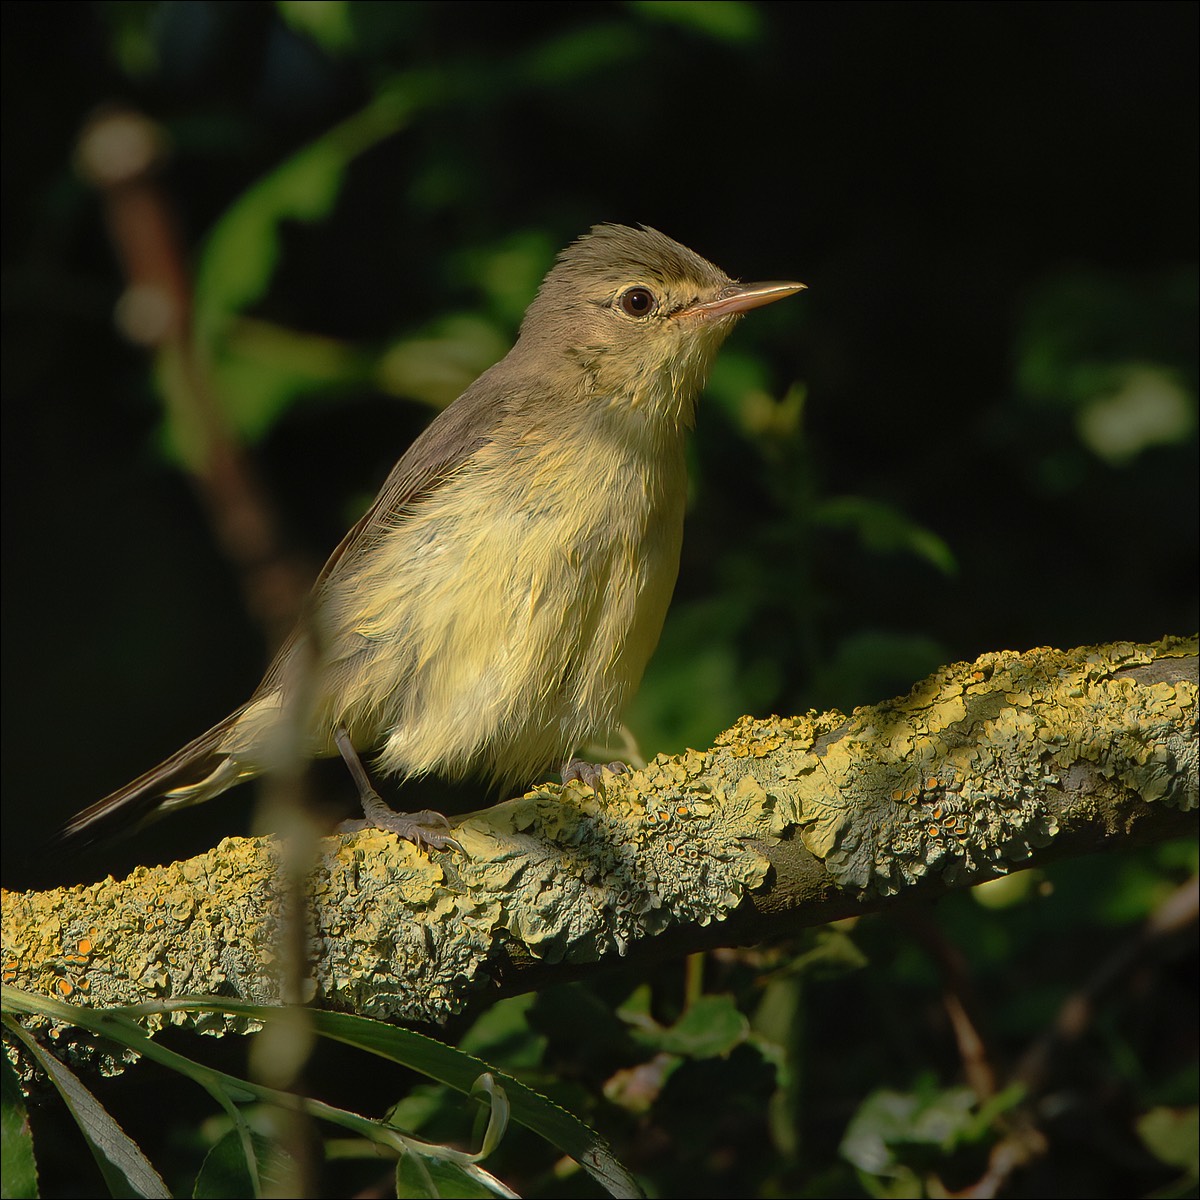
591, 774
425, 829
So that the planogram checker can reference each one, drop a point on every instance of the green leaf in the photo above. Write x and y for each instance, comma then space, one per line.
420, 1176
886, 530
18, 1168
228, 1174
327, 22
734, 374
508, 270
460, 1071
1082, 331
117, 1026
499, 1111
1172, 1135
126, 1170
698, 686
239, 259
437, 364
889, 1125
413, 1050
711, 1027
578, 54
242, 250
503, 1032
831, 954
425, 1102
721, 20
443, 1063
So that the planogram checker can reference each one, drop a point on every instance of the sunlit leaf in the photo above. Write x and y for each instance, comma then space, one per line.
638, 1088
1081, 331
1142, 405
1173, 1136
498, 1112
18, 1176
437, 364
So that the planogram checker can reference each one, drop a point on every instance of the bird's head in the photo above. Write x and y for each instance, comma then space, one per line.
638, 316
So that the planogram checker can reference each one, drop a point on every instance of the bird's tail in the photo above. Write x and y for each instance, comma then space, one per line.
198, 772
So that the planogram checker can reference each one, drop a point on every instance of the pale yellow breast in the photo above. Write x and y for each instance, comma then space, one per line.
510, 617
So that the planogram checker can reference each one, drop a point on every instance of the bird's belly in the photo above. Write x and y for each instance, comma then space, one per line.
500, 637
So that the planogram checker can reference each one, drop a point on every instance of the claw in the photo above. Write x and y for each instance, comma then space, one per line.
592, 774
426, 829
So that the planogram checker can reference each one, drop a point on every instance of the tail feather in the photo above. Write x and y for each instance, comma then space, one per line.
197, 772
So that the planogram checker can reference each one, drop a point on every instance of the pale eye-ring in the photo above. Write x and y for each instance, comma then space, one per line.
637, 302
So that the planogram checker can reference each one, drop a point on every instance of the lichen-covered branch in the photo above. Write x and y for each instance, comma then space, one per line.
985, 767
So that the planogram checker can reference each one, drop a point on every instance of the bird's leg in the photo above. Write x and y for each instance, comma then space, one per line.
426, 828
591, 774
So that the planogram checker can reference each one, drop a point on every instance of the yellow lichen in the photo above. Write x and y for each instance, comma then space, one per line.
955, 781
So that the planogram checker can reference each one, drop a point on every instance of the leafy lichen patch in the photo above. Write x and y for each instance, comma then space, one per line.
207, 926
592, 873
957, 777
197, 926
960, 780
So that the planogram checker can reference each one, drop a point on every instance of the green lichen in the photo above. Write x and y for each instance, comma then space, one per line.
569, 875
395, 932
959, 781
206, 925
958, 777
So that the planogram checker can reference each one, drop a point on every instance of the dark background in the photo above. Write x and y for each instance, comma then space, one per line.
976, 431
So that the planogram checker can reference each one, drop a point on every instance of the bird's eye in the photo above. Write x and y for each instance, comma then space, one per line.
637, 302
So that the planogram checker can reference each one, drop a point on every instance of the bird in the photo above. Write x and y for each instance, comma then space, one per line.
495, 607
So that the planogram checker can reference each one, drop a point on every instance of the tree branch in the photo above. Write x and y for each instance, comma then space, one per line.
1005, 763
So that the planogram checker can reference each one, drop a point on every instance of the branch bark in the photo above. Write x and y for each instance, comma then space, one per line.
1013, 761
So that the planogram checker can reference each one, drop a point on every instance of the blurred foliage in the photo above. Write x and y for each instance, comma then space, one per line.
977, 430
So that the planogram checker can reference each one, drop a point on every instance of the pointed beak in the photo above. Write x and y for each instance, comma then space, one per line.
741, 297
